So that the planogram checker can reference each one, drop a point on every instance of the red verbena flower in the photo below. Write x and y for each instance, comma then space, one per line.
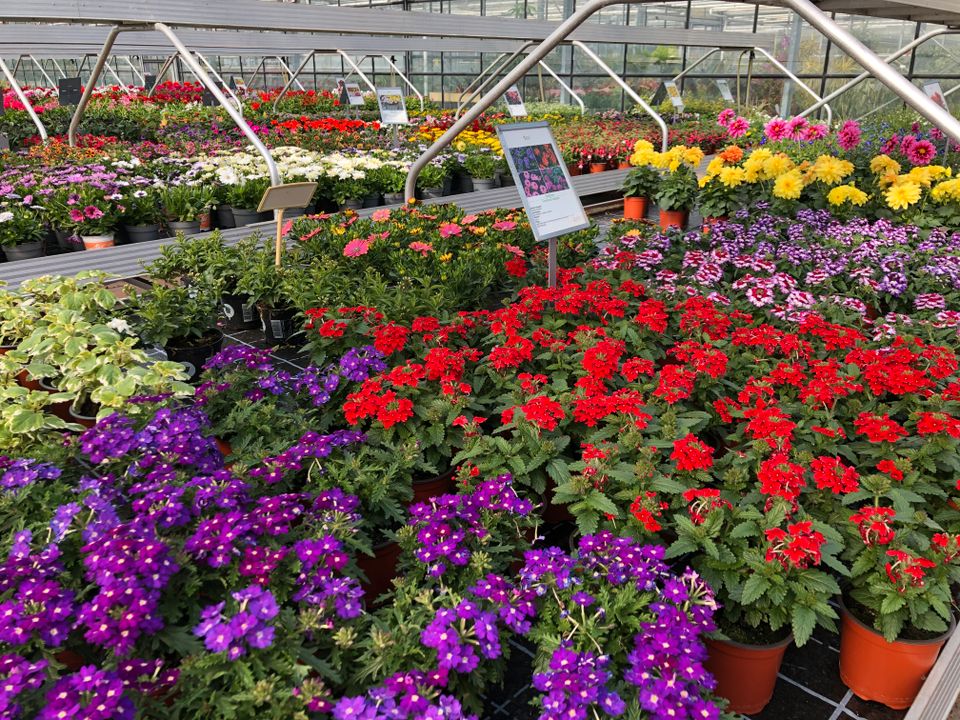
878, 428
692, 453
798, 546
829, 473
874, 524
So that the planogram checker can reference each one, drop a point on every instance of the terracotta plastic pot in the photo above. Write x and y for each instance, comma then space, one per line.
881, 671
623, 165
379, 569
423, 490
24, 380
634, 208
88, 421
224, 447
573, 169
746, 674
97, 242
60, 409
598, 167
4, 349
673, 218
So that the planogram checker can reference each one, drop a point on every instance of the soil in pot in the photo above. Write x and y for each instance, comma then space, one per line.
746, 674
193, 353
23, 251
890, 673
84, 414
278, 324
379, 569
239, 312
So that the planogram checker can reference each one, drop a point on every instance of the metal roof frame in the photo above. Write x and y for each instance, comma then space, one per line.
806, 9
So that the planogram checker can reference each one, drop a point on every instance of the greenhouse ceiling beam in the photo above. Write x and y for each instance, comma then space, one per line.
195, 67
777, 64
18, 91
397, 70
888, 75
221, 15
262, 65
936, 32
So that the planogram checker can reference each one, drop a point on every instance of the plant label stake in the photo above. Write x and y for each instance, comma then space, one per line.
546, 190
69, 90
282, 197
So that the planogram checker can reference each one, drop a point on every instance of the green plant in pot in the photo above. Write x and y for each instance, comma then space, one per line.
431, 178
28, 425
765, 568
482, 166
142, 214
182, 319
676, 196
723, 194
22, 231
185, 206
245, 198
275, 289
639, 186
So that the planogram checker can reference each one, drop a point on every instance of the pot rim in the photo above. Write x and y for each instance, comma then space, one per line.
216, 335
906, 641
750, 646
77, 414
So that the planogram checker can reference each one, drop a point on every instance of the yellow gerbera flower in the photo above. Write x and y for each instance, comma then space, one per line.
732, 177
884, 165
903, 195
777, 165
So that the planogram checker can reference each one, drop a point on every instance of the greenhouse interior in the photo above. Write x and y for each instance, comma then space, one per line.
480, 359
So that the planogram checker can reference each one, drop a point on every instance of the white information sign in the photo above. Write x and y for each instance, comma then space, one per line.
348, 93
724, 87
515, 105
393, 107
935, 93
673, 92
551, 203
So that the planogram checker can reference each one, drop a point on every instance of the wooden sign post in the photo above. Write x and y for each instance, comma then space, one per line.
282, 197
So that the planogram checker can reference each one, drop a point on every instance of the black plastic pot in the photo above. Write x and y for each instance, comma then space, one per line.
277, 324
142, 233
195, 355
239, 312
66, 241
224, 217
187, 227
372, 200
393, 198
24, 251
242, 217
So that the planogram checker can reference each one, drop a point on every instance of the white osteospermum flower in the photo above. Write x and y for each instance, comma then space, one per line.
120, 325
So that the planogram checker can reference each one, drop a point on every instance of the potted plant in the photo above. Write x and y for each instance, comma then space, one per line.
431, 179
639, 186
93, 215
676, 196
244, 198
722, 195
897, 608
184, 206
765, 571
390, 180
142, 215
482, 166
273, 290
182, 320
21, 232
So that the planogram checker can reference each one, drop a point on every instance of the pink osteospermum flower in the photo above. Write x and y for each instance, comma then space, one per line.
380, 215
357, 247
450, 229
504, 225
420, 247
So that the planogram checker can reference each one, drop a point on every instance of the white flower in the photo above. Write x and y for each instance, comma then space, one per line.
120, 325
6, 216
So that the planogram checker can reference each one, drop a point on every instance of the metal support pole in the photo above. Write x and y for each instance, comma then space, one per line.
629, 91
58, 67
42, 71
18, 91
750, 59
914, 96
16, 67
698, 61
161, 72
256, 71
91, 83
483, 74
283, 91
493, 76
205, 80
222, 83
357, 70
576, 98
113, 72
576, 19
888, 59
136, 72
288, 71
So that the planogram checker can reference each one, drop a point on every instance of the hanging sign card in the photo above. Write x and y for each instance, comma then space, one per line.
935, 93
724, 87
393, 106
551, 203
673, 92
515, 105
70, 89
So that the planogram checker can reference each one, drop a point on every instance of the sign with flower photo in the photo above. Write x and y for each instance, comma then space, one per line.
514, 100
549, 199
393, 107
